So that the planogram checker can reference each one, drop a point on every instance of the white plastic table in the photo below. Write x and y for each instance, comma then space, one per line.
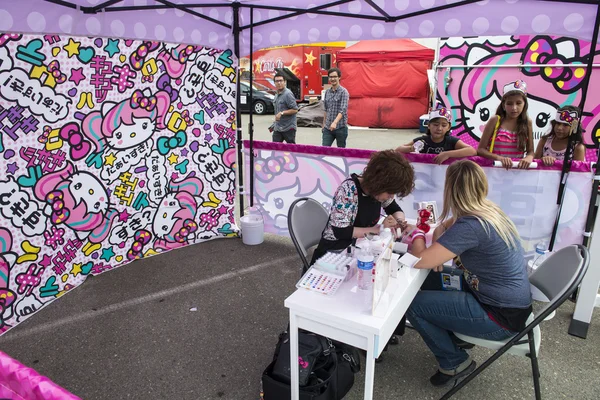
346, 317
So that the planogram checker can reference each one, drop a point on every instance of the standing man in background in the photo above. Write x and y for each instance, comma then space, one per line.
335, 123
285, 112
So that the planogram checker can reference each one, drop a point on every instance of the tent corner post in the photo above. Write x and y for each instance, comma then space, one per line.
570, 151
238, 122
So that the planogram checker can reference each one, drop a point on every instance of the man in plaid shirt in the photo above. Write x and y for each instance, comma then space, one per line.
335, 123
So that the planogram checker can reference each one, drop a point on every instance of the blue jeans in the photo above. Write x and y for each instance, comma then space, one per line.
434, 313
340, 135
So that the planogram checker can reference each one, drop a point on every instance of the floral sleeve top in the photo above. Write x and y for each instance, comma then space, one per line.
344, 214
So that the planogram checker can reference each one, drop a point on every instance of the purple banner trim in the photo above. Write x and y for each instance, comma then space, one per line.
20, 382
577, 166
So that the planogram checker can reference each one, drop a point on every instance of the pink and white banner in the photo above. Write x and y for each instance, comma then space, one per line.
283, 173
18, 382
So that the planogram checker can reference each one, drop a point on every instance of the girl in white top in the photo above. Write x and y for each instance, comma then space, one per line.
552, 147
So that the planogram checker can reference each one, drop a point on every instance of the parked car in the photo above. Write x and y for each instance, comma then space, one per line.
262, 98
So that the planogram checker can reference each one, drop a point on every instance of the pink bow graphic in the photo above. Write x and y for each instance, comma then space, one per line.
566, 116
564, 79
54, 69
141, 238
266, 170
138, 100
56, 201
303, 364
185, 114
444, 112
147, 78
43, 138
184, 54
79, 146
138, 57
189, 227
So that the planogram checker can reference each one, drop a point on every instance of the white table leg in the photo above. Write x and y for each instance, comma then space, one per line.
294, 372
370, 368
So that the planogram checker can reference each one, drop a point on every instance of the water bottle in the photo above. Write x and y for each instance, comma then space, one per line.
364, 262
385, 234
541, 253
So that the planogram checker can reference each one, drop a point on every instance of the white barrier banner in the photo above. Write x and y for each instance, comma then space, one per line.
528, 197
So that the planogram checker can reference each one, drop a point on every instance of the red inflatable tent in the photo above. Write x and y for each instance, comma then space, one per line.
387, 82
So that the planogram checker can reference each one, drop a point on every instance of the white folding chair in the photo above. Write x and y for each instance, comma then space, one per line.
557, 278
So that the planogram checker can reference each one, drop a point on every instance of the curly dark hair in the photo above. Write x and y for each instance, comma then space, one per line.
388, 172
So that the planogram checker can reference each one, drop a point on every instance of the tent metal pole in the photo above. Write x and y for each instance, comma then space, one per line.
182, 7
571, 146
96, 8
313, 10
251, 106
587, 294
432, 10
238, 121
63, 3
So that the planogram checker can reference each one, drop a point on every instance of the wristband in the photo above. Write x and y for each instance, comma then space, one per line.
415, 237
417, 232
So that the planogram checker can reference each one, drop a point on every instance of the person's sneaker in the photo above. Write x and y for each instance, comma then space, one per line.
441, 379
462, 344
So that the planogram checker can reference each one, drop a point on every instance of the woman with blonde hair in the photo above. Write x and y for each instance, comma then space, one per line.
496, 300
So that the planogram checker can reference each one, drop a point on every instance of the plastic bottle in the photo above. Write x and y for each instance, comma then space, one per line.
385, 234
376, 246
364, 261
541, 253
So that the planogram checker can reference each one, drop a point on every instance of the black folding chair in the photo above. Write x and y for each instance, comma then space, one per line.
557, 278
306, 221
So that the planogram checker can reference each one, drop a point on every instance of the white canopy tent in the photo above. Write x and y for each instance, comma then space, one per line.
241, 25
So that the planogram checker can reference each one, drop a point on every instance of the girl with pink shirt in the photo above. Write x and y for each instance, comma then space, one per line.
552, 147
508, 134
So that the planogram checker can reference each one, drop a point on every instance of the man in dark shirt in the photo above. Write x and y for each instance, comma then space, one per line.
285, 112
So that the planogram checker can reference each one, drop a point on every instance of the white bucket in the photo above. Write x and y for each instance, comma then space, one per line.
253, 229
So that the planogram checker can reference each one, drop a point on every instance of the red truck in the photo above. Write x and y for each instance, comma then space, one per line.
304, 66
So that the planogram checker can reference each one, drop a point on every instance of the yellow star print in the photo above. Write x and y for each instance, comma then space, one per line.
309, 58
110, 159
76, 270
173, 159
72, 47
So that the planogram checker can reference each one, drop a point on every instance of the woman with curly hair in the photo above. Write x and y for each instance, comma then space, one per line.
357, 203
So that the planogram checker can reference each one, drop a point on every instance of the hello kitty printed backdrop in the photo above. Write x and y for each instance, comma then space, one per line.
474, 93
285, 172
111, 150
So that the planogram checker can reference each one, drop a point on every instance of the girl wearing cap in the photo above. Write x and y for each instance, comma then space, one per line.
508, 134
437, 140
552, 147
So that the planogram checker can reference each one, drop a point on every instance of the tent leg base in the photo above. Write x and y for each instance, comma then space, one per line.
579, 328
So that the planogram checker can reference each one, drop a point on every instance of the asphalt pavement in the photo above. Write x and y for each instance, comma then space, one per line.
202, 323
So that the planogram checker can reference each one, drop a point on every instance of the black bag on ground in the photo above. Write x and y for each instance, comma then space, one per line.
326, 368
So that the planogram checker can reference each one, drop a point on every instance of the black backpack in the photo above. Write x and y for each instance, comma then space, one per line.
327, 368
